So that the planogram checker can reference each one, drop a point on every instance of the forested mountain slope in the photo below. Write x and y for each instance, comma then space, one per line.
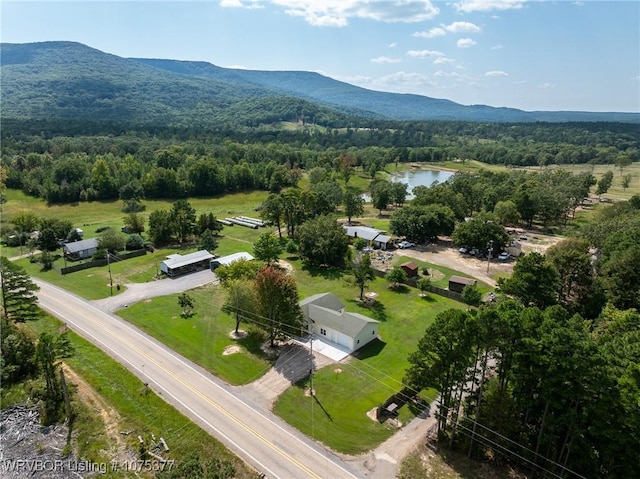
70, 80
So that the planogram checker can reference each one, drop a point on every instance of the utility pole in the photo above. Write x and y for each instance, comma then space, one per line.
490, 251
110, 278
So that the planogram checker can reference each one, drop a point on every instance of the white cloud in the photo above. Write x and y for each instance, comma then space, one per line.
248, 4
385, 60
425, 53
496, 73
443, 60
497, 47
455, 27
462, 27
465, 43
487, 5
392, 45
336, 13
434, 32
546, 85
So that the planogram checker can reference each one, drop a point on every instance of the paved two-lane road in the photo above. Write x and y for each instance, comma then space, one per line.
261, 440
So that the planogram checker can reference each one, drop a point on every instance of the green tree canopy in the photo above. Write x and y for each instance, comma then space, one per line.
322, 241
267, 248
480, 232
535, 281
277, 296
363, 272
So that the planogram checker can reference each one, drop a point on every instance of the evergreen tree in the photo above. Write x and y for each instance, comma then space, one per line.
19, 300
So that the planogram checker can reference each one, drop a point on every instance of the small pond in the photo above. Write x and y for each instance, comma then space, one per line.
421, 178
417, 178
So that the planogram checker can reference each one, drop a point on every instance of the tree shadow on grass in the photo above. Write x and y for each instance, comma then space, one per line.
327, 272
428, 298
375, 310
373, 348
400, 289
253, 342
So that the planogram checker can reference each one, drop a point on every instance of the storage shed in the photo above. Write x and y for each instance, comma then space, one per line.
410, 268
177, 264
227, 260
457, 283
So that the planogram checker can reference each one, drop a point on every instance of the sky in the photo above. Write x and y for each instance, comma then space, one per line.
532, 55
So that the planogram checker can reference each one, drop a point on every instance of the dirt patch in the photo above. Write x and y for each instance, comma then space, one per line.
337, 370
272, 351
109, 416
288, 267
148, 300
231, 350
241, 334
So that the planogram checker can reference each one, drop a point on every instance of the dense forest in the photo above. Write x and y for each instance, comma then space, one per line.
67, 161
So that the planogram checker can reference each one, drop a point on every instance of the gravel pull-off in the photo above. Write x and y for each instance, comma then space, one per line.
28, 449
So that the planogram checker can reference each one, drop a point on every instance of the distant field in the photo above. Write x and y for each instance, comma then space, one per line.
616, 193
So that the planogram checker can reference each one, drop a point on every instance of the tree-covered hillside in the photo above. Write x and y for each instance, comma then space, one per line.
54, 80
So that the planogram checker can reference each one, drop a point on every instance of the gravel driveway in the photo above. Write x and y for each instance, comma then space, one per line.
136, 292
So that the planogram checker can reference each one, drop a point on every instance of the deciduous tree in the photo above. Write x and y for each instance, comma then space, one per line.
322, 241
353, 204
277, 296
267, 248
363, 272
534, 281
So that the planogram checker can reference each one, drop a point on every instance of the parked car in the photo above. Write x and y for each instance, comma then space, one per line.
463, 250
474, 252
504, 256
406, 244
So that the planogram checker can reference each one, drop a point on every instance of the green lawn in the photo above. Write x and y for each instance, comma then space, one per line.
142, 412
346, 392
204, 336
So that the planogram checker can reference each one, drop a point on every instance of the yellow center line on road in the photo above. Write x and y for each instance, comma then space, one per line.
209, 401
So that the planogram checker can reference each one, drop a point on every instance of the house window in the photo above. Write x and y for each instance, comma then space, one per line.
358, 341
323, 331
373, 332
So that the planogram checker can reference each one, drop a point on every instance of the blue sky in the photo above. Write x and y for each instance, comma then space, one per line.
533, 55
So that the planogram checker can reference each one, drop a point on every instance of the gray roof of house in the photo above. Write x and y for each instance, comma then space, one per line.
327, 309
348, 323
382, 238
178, 260
326, 300
363, 232
77, 246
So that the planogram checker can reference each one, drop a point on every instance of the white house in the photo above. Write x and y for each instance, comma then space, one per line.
330, 322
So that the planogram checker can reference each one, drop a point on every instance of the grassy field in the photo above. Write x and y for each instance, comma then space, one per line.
204, 336
367, 382
370, 379
616, 192
141, 411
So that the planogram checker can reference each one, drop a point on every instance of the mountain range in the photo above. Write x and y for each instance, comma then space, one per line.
68, 80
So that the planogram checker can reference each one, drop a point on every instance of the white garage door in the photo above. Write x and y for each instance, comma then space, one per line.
341, 339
